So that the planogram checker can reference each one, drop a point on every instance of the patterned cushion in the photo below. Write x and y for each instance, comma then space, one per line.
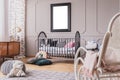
61, 44
70, 45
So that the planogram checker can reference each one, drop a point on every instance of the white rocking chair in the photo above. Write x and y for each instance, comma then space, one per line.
100, 74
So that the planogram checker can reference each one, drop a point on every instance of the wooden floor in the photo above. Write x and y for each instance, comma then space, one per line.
59, 65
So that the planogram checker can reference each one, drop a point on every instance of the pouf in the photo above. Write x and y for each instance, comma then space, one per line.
43, 61
8, 65
31, 60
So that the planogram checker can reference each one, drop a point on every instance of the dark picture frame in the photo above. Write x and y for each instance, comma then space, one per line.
61, 17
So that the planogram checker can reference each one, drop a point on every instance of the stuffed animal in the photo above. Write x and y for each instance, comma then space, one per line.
41, 54
91, 45
17, 69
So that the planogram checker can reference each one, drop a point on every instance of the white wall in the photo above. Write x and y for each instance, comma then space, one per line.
2, 20
90, 17
6, 21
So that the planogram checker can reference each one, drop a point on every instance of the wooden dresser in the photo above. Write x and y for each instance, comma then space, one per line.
9, 49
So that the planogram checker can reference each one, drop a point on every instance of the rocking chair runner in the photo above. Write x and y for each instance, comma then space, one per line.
99, 69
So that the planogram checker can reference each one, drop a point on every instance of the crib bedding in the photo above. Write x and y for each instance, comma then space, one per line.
56, 50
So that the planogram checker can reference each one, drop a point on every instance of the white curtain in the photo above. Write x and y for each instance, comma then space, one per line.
2, 21
16, 22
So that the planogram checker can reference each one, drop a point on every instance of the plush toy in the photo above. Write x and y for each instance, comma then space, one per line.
91, 45
17, 69
41, 54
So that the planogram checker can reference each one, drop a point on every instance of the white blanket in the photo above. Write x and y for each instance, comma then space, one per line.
89, 63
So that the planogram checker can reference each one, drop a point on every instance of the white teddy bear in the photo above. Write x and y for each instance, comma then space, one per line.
41, 54
17, 69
